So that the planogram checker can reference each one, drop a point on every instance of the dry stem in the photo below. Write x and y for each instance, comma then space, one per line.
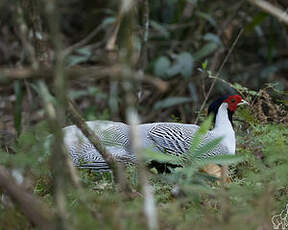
281, 15
31, 207
95, 141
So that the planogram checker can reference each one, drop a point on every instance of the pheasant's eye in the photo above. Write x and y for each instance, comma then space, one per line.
233, 100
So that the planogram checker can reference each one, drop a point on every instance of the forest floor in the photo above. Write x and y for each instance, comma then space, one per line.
258, 188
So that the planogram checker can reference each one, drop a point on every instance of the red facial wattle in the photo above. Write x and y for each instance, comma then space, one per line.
232, 102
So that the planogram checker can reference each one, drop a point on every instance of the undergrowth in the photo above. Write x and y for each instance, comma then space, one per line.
257, 192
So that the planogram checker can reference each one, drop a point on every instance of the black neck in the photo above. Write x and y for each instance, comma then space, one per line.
214, 107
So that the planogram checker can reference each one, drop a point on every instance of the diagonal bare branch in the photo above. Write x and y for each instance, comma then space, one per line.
95, 141
269, 8
31, 207
8, 75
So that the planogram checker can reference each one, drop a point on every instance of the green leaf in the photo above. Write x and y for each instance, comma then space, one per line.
222, 159
206, 50
213, 38
73, 60
256, 21
171, 101
108, 21
198, 137
85, 51
161, 157
205, 148
161, 29
204, 64
244, 89
161, 66
83, 55
207, 17
183, 65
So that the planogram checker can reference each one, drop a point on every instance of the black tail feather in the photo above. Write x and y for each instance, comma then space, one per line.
96, 166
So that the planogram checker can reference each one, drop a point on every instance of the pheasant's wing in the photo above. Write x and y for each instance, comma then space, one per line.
219, 149
172, 138
110, 133
113, 135
86, 156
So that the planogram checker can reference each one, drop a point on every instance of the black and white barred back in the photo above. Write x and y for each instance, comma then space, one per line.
175, 138
168, 138
114, 135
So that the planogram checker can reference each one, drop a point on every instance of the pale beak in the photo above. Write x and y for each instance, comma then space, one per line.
243, 102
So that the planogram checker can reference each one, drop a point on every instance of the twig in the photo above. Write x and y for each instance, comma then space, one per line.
8, 75
111, 41
220, 79
218, 73
94, 139
57, 118
226, 82
281, 15
131, 113
147, 190
40, 44
83, 42
23, 34
74, 176
143, 54
116, 168
59, 157
49, 108
31, 207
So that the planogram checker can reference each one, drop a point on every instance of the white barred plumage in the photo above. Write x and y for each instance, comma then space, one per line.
166, 137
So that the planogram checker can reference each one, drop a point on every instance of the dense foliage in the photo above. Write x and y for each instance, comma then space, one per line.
189, 41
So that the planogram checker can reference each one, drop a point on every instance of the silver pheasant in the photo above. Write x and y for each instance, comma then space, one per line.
165, 137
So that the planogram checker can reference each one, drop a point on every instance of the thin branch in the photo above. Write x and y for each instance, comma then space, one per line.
281, 15
111, 41
145, 20
147, 190
75, 177
83, 42
59, 157
8, 75
31, 207
218, 73
94, 139
69, 168
57, 118
22, 31
40, 43
126, 12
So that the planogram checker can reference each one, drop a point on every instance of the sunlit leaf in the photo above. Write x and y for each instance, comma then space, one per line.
204, 64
